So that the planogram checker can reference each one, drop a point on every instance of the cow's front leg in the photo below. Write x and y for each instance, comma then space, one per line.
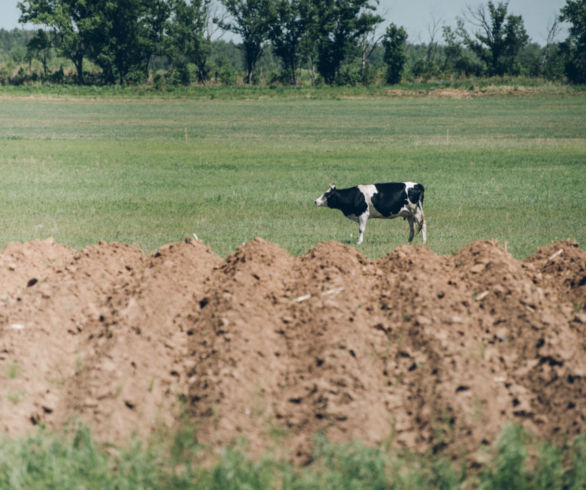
362, 219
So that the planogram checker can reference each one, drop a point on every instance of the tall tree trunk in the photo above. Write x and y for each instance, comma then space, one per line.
78, 62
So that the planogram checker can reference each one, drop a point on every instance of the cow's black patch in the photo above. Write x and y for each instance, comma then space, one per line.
416, 193
389, 198
350, 201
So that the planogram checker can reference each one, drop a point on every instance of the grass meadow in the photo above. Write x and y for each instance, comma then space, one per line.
148, 170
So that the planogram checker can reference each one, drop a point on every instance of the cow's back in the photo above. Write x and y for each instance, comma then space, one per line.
389, 198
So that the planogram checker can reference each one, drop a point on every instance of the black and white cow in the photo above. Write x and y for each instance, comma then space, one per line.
388, 200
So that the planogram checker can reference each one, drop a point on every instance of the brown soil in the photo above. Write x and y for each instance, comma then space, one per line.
427, 352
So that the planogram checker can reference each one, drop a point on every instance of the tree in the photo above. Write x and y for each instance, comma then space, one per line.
70, 22
125, 35
368, 44
458, 60
432, 47
40, 46
188, 39
250, 21
427, 62
115, 47
289, 22
574, 48
394, 42
153, 31
119, 36
551, 63
499, 39
339, 28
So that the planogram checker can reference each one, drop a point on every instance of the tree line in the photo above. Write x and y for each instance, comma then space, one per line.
335, 41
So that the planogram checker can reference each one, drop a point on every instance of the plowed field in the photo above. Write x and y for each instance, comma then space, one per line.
413, 349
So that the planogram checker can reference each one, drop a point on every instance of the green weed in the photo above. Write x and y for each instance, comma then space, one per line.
74, 459
13, 370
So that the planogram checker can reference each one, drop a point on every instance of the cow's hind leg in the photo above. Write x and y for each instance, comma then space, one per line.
421, 226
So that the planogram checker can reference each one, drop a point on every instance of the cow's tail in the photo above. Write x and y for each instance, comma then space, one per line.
420, 217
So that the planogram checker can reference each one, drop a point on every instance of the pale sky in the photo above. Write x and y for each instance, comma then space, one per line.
417, 16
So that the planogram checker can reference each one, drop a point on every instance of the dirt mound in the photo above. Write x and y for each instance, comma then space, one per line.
413, 349
562, 266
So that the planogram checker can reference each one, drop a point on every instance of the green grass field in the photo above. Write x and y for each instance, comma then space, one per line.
149, 171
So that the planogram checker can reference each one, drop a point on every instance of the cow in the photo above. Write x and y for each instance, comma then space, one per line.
388, 200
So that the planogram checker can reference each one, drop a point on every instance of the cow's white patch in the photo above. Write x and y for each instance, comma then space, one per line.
369, 191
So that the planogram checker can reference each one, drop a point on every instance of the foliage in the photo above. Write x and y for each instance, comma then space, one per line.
458, 59
574, 48
250, 21
499, 39
339, 26
74, 459
509, 468
394, 42
72, 24
125, 36
282, 42
188, 40
119, 36
289, 32
14, 39
40, 45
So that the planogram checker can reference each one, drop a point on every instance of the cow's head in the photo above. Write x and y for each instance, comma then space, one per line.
323, 199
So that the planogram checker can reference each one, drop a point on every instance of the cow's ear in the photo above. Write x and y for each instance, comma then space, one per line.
332, 187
